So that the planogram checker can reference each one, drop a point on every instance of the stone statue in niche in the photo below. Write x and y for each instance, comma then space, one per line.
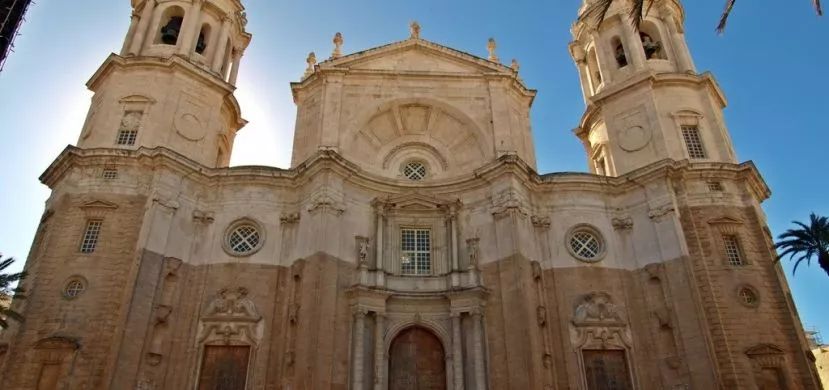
472, 249
597, 308
362, 250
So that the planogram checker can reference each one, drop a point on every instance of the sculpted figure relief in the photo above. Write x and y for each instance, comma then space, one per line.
596, 308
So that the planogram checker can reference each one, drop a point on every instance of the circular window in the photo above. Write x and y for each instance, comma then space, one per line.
585, 244
243, 238
415, 170
73, 289
747, 296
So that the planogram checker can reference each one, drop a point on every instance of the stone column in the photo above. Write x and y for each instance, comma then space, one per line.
457, 351
635, 52
190, 27
219, 53
453, 228
478, 348
379, 350
134, 18
143, 25
359, 359
378, 260
234, 73
683, 57
586, 83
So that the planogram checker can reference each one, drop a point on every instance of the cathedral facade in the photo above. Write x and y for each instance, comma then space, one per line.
412, 244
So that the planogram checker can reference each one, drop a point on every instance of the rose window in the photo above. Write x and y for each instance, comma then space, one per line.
243, 239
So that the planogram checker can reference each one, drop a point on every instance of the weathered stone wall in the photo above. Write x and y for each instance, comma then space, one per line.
83, 335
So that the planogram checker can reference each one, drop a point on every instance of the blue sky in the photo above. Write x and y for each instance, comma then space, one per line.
770, 63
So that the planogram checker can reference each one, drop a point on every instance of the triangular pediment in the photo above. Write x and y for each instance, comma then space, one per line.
414, 201
99, 204
725, 221
417, 55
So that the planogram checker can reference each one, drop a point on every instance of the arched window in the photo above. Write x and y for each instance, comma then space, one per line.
652, 42
619, 52
170, 27
204, 38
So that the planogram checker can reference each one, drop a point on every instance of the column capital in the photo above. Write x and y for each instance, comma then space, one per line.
360, 313
477, 312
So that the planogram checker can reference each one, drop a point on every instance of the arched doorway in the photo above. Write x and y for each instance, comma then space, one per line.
417, 361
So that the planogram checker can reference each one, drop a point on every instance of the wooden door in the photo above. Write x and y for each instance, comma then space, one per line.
606, 370
417, 361
224, 367
49, 375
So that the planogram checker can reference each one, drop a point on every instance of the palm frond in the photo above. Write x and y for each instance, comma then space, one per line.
729, 6
637, 13
598, 10
818, 8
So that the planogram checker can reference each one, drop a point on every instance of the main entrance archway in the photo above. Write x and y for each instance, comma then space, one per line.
417, 361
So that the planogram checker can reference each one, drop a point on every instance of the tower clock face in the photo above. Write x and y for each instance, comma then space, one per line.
131, 120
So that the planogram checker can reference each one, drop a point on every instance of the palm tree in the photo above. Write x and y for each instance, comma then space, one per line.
806, 242
9, 290
640, 8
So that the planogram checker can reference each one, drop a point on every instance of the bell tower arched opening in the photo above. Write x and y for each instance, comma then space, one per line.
652, 42
170, 28
204, 39
417, 361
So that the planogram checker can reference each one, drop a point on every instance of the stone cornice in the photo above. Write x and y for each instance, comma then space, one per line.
332, 162
653, 80
173, 63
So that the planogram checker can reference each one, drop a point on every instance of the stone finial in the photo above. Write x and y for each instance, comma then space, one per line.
311, 60
414, 29
338, 42
515, 65
491, 47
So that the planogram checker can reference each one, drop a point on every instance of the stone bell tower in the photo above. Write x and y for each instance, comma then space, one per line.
172, 83
645, 100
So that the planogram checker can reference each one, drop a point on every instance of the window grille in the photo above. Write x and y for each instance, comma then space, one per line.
90, 236
416, 246
693, 142
126, 137
732, 250
110, 174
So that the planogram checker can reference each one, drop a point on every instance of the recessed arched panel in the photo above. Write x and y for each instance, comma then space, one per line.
423, 128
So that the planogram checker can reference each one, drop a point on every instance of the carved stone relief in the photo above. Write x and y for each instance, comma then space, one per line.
634, 138
622, 223
599, 323
541, 222
231, 315
190, 119
324, 201
507, 203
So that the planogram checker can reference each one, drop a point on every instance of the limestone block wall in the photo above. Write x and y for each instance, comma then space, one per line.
73, 341
173, 109
744, 346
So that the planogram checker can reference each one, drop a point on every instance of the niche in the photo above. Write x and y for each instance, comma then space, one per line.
619, 52
204, 34
651, 41
171, 21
